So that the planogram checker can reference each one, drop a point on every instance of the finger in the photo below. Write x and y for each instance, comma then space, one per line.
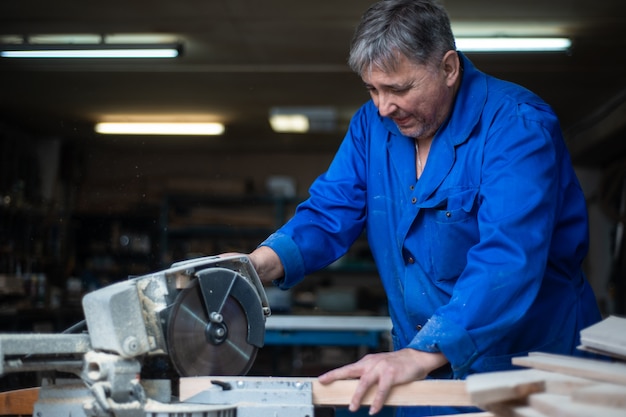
359, 393
366, 382
345, 372
382, 392
351, 371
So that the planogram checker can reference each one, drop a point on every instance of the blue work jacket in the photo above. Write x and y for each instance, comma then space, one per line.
481, 257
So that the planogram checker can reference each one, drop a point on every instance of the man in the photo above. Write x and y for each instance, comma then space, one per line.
472, 210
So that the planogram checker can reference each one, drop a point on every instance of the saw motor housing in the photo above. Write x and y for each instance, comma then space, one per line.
139, 316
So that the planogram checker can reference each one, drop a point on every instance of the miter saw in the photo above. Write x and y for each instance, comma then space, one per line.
206, 315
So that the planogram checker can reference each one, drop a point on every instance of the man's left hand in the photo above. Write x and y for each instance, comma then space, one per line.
384, 370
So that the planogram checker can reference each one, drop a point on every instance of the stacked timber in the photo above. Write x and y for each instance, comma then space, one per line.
558, 385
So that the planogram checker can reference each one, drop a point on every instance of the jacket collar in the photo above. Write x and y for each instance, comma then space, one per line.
466, 110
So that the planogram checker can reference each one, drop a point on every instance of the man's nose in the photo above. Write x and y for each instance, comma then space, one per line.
385, 105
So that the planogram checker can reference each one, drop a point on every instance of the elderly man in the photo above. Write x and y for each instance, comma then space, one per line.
472, 210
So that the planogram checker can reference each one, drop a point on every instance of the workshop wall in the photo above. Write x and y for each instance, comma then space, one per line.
116, 178
599, 262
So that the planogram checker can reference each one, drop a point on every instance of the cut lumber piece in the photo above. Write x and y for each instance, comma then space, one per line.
610, 395
565, 384
526, 411
515, 409
495, 387
602, 352
501, 386
597, 370
609, 336
18, 402
428, 392
505, 408
554, 405
479, 414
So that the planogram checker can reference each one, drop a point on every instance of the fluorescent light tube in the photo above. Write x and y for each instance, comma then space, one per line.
63, 39
289, 123
303, 119
93, 53
174, 129
504, 44
89, 51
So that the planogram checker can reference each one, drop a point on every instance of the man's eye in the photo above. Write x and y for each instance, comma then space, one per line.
400, 90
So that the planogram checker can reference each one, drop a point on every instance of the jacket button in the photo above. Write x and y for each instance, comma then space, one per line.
418, 327
414, 200
411, 260
448, 214
411, 187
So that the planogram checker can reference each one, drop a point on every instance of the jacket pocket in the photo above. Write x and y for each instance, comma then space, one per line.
453, 230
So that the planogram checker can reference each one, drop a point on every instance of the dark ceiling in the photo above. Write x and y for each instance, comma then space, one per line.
242, 57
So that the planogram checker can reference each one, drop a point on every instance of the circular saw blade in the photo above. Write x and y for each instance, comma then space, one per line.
190, 350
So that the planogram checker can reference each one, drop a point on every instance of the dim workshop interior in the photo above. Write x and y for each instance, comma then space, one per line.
117, 232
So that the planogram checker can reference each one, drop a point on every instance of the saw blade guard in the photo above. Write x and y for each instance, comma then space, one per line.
216, 325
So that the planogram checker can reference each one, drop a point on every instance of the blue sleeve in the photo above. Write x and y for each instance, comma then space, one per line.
331, 219
518, 204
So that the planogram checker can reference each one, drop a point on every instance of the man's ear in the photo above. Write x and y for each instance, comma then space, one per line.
451, 66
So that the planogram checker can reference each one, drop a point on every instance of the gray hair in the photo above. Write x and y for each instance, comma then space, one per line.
418, 29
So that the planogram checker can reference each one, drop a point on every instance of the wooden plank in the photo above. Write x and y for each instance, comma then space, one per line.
602, 394
554, 405
505, 408
515, 411
526, 411
495, 387
565, 384
428, 392
597, 370
609, 335
18, 402
501, 386
601, 352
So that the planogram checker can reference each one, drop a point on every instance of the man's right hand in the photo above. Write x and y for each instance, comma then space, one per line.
266, 263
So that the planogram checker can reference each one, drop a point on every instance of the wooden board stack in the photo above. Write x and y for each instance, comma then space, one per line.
560, 385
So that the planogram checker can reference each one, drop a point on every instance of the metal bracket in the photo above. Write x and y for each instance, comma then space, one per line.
260, 397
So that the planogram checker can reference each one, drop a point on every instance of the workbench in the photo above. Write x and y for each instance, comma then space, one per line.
321, 330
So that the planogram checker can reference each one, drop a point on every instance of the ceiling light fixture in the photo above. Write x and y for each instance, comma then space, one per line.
172, 129
511, 44
90, 51
303, 119
294, 123
90, 46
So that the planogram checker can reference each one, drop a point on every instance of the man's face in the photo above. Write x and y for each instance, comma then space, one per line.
416, 97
